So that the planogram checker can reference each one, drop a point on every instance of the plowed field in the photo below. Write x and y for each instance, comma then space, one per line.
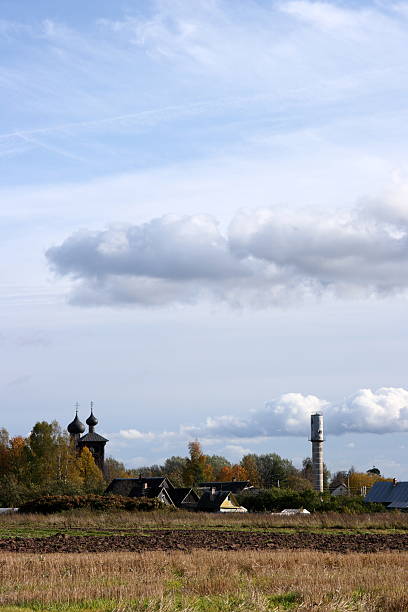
188, 540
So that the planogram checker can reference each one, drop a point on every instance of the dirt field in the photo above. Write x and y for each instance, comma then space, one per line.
188, 540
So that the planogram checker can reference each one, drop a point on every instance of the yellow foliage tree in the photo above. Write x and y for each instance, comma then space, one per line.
90, 474
360, 482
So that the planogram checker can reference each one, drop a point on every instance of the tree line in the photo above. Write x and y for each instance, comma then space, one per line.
47, 463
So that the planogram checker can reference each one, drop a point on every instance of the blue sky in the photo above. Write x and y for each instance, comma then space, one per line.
203, 223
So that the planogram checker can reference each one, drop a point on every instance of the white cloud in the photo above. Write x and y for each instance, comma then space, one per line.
267, 257
380, 412
134, 434
367, 411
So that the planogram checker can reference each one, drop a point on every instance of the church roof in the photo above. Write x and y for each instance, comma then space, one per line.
92, 420
76, 427
92, 437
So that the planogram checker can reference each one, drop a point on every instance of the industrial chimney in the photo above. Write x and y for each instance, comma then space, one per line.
317, 440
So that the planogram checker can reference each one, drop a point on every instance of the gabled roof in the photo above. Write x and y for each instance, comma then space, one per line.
92, 437
152, 492
181, 495
156, 481
132, 487
211, 502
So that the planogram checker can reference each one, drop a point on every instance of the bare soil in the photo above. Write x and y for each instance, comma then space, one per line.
188, 540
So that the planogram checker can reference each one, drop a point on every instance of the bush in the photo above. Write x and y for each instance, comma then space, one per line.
276, 500
59, 503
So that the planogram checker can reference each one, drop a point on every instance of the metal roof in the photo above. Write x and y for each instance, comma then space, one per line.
380, 492
398, 504
389, 493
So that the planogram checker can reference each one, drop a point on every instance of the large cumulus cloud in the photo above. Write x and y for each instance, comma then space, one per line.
377, 412
265, 257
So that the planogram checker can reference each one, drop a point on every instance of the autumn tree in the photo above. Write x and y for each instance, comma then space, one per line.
249, 464
217, 462
232, 472
90, 474
197, 468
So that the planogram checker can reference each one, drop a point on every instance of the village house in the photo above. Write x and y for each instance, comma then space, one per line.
392, 494
158, 487
219, 501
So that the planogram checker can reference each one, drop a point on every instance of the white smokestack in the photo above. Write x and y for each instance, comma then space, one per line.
317, 440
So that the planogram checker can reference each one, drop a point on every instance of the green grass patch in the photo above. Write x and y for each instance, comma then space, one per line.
176, 603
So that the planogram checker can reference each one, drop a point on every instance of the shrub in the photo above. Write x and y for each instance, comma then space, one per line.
276, 500
58, 503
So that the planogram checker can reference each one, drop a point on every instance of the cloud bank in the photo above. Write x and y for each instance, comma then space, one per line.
366, 412
266, 257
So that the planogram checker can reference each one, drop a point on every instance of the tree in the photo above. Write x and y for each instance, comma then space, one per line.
174, 468
91, 475
248, 462
217, 462
42, 447
274, 470
197, 468
114, 469
233, 472
374, 470
338, 478
307, 472
359, 482
295, 482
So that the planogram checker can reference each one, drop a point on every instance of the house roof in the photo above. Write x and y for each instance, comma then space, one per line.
389, 493
92, 437
398, 504
179, 494
121, 486
130, 487
211, 502
234, 485
339, 485
151, 492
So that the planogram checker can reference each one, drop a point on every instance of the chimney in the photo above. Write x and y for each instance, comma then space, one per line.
394, 482
317, 439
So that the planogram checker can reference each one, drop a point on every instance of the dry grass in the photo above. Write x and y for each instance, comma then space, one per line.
136, 520
206, 581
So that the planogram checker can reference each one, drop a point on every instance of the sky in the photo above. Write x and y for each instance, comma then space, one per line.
204, 224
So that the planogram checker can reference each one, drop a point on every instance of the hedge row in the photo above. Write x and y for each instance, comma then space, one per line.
276, 500
58, 503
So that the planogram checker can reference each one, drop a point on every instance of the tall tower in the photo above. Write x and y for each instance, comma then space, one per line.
317, 439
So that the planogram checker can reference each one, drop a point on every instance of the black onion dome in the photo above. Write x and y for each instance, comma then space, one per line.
92, 420
76, 427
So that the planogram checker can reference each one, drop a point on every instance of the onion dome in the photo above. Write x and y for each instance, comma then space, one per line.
92, 420
76, 427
